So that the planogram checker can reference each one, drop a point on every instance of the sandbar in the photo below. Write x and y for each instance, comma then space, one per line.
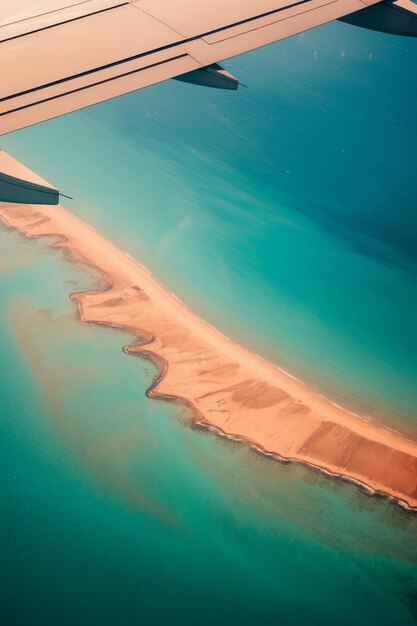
229, 389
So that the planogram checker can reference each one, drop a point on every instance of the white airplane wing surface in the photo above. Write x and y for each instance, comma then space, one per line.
57, 56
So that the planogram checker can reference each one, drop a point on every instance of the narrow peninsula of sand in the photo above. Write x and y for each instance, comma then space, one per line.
229, 389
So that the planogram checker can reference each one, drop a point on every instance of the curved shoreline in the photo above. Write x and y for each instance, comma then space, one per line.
231, 391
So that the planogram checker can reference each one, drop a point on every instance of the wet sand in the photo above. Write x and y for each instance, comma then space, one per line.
230, 390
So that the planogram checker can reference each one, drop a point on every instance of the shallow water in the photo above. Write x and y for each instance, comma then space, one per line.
116, 510
284, 215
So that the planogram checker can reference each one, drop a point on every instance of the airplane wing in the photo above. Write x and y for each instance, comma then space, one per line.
57, 56
19, 184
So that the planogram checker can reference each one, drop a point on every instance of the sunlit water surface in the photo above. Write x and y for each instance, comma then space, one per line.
285, 216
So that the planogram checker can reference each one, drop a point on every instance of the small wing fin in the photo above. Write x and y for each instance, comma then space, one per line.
211, 76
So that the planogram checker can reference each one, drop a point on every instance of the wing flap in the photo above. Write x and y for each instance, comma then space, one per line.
294, 18
80, 47
76, 98
194, 18
287, 11
86, 79
206, 19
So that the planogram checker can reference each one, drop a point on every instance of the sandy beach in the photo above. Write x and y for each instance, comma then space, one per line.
230, 390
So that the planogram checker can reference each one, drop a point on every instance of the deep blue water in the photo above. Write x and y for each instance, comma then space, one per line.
283, 214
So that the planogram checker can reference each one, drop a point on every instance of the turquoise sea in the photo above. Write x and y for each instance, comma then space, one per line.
285, 215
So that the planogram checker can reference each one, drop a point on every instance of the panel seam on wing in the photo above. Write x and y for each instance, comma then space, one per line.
174, 30
73, 19
96, 84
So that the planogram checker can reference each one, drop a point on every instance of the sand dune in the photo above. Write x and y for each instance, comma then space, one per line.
229, 389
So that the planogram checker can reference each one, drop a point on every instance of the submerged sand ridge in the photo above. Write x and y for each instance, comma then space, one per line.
229, 389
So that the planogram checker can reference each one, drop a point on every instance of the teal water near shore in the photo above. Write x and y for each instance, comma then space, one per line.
285, 216
115, 510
